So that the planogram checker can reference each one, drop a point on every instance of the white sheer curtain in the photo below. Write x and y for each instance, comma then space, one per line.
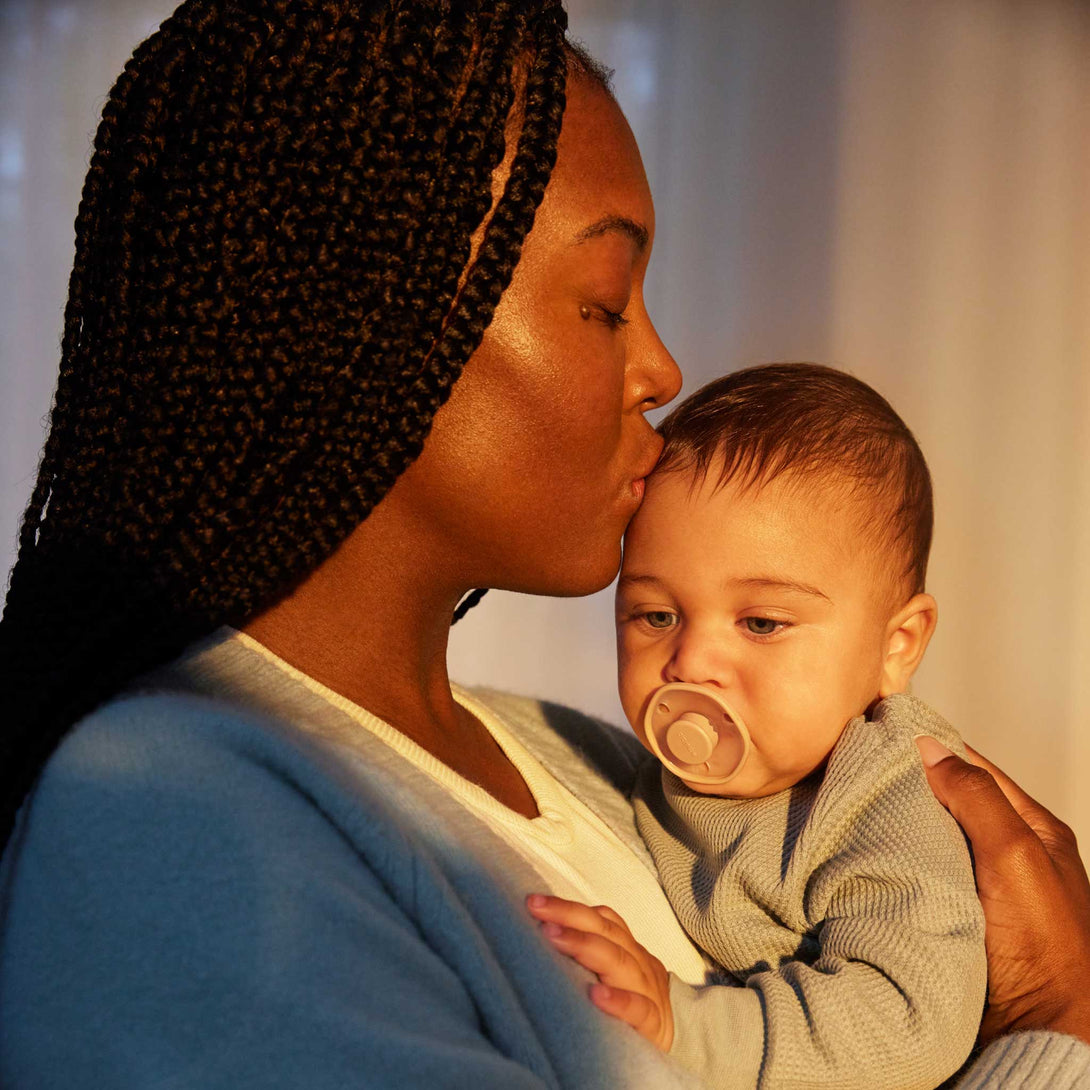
899, 189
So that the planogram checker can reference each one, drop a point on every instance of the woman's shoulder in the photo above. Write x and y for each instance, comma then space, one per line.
149, 783
188, 792
180, 744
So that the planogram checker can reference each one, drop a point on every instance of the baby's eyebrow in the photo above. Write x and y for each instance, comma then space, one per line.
761, 582
629, 580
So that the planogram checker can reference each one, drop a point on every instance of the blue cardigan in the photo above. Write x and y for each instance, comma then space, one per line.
200, 894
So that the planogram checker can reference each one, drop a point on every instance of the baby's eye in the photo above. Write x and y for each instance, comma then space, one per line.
660, 618
763, 626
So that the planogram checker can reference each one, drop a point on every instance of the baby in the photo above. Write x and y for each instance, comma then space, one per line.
773, 582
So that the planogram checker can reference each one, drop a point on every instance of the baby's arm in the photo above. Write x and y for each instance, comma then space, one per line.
892, 992
634, 985
870, 933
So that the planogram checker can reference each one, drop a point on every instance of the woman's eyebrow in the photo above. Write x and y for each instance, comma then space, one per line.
637, 232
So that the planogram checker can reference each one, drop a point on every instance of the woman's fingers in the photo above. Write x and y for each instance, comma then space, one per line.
977, 801
1027, 807
1057, 837
970, 791
1034, 891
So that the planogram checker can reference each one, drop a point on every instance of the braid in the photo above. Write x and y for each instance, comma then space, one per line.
271, 297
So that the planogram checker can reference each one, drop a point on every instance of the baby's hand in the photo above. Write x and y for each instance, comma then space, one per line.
635, 986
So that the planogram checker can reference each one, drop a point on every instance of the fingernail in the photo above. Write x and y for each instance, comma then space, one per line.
553, 930
931, 751
603, 991
536, 900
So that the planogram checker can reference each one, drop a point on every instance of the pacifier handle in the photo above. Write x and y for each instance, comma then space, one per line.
692, 738
696, 734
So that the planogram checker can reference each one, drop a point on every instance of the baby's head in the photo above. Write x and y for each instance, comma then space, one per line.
779, 558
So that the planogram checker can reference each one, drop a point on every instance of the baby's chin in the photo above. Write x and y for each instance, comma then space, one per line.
749, 784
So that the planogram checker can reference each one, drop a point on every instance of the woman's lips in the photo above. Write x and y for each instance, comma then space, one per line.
646, 465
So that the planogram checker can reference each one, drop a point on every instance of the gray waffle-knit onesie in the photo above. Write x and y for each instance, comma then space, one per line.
846, 902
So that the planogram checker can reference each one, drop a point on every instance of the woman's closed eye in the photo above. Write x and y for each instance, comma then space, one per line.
613, 318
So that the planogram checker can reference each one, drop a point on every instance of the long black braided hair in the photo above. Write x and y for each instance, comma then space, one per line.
271, 297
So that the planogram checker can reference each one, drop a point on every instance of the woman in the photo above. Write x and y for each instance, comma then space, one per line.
293, 855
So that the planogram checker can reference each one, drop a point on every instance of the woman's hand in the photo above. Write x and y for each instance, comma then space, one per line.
634, 985
1035, 894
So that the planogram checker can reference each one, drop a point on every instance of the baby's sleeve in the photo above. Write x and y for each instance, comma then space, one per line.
895, 994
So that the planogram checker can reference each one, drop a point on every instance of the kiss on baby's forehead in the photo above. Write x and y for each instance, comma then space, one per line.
813, 424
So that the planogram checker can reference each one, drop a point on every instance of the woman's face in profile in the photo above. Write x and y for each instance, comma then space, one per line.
534, 466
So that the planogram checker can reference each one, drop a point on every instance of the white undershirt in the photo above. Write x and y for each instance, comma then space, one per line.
574, 852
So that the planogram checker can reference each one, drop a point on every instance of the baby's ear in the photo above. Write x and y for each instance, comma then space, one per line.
907, 636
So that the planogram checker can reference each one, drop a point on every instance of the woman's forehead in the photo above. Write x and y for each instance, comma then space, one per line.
598, 172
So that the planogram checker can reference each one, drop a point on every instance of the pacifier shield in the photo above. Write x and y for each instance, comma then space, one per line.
696, 734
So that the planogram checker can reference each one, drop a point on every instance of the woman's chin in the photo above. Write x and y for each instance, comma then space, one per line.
585, 575
595, 577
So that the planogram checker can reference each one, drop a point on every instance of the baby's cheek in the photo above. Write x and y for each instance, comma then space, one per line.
820, 744
798, 747
633, 690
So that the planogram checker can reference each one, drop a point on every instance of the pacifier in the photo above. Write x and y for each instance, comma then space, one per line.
694, 732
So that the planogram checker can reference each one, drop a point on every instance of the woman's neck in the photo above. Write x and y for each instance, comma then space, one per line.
372, 624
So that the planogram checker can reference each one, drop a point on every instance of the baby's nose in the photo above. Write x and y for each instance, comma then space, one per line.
698, 661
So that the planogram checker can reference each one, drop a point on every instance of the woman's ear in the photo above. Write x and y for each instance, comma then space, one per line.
907, 636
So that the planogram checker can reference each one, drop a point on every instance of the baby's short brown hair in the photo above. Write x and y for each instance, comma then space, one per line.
812, 421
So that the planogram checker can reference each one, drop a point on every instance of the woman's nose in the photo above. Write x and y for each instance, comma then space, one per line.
654, 375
